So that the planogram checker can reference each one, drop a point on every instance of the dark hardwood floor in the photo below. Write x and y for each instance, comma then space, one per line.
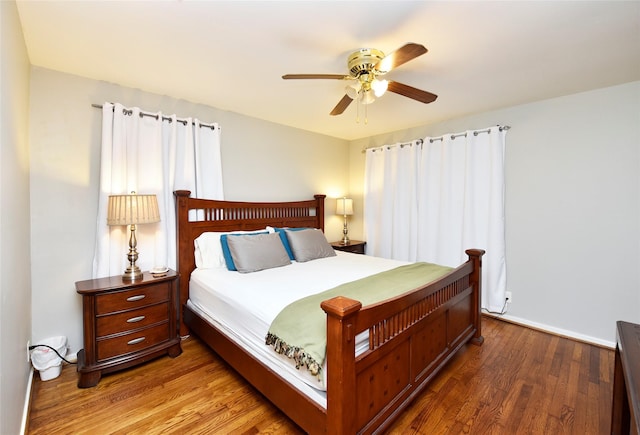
521, 381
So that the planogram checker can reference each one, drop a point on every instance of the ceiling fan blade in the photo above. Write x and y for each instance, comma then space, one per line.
341, 106
401, 56
411, 92
315, 76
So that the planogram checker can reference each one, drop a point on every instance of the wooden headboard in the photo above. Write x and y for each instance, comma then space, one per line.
216, 215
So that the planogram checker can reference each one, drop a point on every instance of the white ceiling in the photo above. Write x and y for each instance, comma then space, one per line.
231, 54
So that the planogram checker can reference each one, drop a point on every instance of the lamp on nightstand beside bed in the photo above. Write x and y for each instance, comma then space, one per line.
344, 207
132, 210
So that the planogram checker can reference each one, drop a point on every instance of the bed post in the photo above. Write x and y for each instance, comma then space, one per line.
185, 262
320, 210
475, 256
341, 363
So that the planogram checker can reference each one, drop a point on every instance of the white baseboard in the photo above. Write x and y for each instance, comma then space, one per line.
27, 403
554, 330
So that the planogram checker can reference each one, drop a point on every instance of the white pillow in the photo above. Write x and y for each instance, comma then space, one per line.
208, 250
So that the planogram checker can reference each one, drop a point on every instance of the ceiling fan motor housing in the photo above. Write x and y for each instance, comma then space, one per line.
363, 61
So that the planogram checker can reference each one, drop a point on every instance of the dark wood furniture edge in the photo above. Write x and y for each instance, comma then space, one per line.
89, 286
625, 412
339, 243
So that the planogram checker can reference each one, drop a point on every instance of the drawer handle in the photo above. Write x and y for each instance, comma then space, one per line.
135, 298
136, 340
135, 319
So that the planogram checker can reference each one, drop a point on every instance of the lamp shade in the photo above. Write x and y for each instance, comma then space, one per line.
132, 209
344, 206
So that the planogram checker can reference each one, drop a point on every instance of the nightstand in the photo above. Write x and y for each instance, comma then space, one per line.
355, 246
127, 323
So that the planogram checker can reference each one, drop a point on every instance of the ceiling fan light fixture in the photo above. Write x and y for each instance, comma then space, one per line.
353, 89
385, 65
367, 96
379, 87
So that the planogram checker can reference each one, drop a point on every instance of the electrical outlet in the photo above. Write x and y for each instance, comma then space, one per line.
508, 296
28, 351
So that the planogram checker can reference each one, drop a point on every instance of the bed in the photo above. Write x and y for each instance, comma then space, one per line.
408, 338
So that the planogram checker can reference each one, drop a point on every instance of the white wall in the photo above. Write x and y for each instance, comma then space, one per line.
572, 207
261, 161
15, 287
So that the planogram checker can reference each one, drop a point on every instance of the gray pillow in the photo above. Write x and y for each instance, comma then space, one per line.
252, 253
309, 244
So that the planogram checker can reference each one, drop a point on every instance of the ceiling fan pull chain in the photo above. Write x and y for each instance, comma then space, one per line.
366, 114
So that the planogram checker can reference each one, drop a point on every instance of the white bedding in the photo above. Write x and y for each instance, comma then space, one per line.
244, 305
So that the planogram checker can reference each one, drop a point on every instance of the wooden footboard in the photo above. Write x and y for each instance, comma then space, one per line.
411, 337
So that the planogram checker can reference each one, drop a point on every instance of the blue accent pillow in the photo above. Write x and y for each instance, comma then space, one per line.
226, 252
283, 236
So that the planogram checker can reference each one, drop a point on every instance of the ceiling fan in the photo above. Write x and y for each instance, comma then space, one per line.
365, 65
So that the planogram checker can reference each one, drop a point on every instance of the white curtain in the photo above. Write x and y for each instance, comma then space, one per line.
149, 155
431, 200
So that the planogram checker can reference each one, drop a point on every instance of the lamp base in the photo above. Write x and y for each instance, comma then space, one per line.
132, 274
345, 231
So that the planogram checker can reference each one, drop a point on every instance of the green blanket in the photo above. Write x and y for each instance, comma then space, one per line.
299, 331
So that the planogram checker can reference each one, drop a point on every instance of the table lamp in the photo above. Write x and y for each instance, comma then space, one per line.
344, 207
132, 210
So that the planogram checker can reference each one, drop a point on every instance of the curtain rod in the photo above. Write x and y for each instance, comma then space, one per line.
154, 115
433, 139
475, 133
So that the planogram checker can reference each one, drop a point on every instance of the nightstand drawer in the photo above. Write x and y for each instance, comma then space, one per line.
354, 246
138, 297
128, 320
356, 249
133, 342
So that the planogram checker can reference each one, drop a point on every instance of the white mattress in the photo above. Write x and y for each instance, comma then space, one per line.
244, 305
